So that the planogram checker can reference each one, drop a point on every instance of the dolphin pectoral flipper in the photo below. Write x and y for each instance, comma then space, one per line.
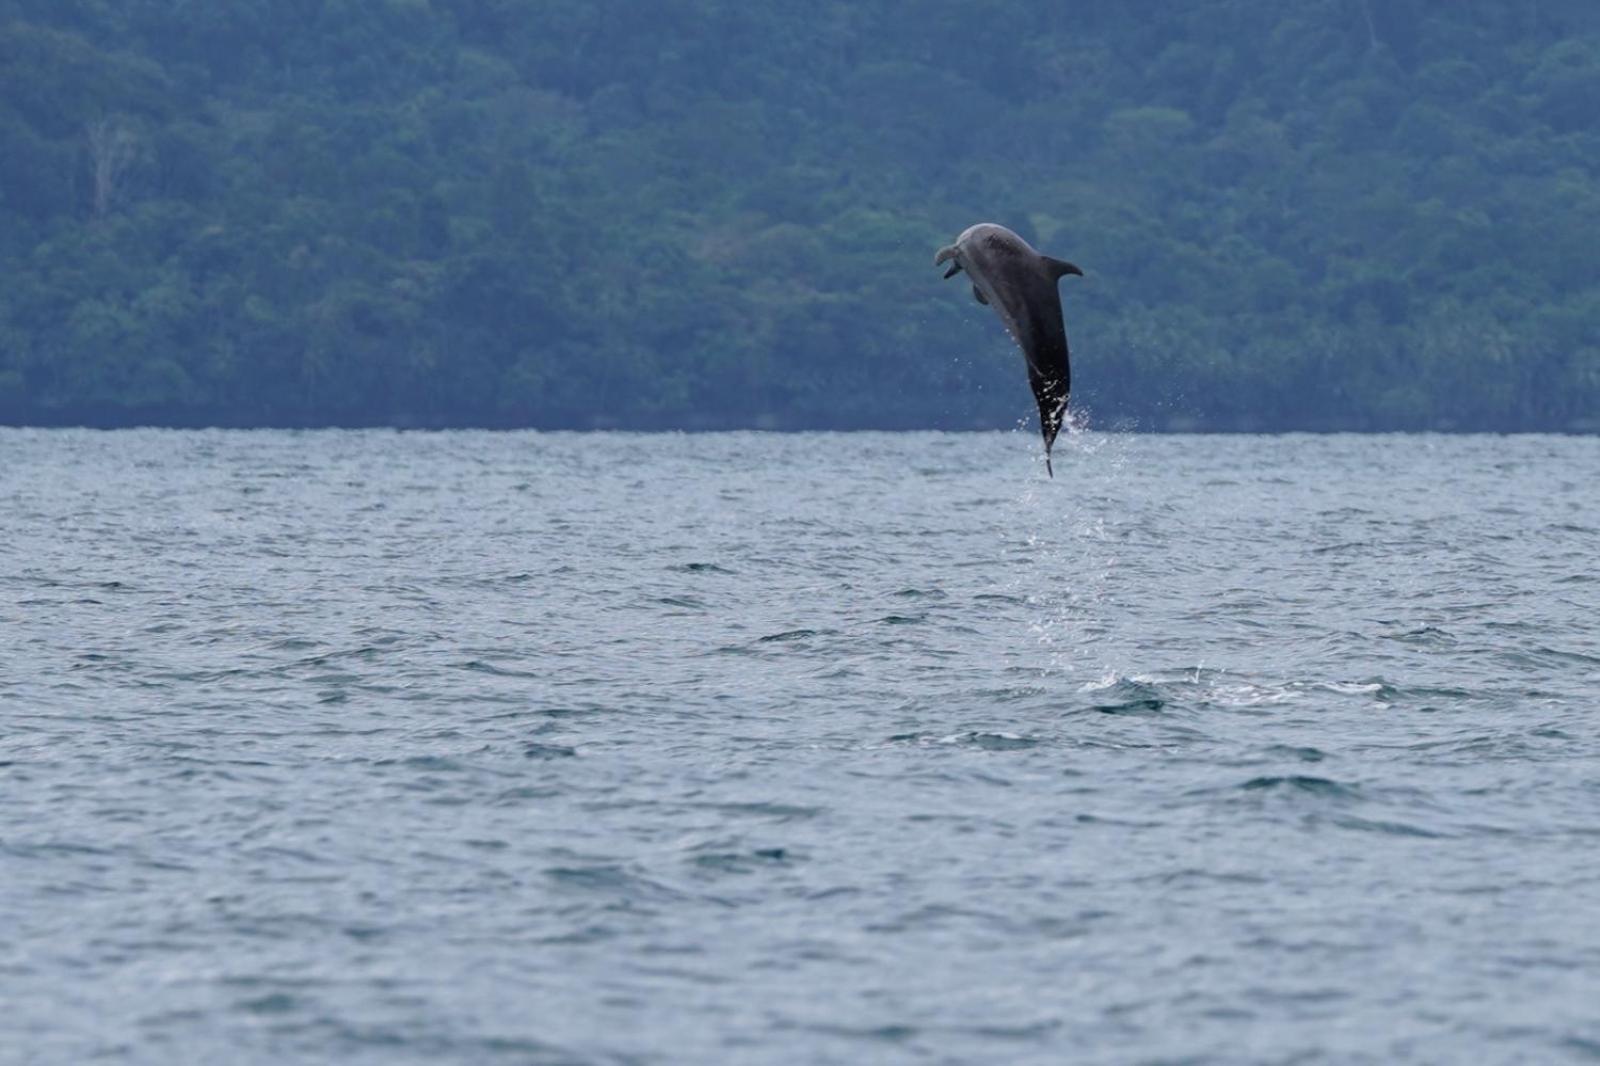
978, 295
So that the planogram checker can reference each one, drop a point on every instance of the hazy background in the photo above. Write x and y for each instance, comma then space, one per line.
697, 213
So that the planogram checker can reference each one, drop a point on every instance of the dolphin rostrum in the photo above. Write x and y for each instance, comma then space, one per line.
1020, 284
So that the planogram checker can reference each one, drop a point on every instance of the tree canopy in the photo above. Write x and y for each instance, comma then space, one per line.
693, 213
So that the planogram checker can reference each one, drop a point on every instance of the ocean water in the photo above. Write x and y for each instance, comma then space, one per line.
743, 748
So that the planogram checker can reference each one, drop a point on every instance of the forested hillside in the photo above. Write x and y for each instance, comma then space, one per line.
1303, 213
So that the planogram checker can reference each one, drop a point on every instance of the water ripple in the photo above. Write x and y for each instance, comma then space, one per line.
566, 748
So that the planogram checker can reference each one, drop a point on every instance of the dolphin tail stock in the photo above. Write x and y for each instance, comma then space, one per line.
1059, 268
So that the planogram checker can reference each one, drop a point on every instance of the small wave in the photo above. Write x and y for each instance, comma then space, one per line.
1387, 827
699, 568
478, 666
431, 763
687, 602
783, 812
987, 741
793, 634
741, 861
1353, 688
612, 880
1124, 695
1247, 694
998, 741
1425, 634
1347, 546
271, 1003
1304, 754
1301, 783
1011, 694
890, 1034
549, 751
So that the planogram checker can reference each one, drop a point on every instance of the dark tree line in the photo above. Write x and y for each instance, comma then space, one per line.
1317, 214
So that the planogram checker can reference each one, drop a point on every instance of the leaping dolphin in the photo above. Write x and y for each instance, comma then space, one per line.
1020, 284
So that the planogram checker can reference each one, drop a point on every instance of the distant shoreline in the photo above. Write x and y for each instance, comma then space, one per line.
1169, 425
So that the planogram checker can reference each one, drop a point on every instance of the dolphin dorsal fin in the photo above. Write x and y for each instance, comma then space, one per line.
1058, 268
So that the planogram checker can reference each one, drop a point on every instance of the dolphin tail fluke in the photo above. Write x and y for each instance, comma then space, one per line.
1048, 469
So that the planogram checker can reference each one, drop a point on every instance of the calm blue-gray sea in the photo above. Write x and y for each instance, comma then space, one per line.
755, 748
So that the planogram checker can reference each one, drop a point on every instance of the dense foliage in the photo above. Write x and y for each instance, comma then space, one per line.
1320, 213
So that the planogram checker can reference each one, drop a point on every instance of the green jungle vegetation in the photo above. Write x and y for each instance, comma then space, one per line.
1318, 214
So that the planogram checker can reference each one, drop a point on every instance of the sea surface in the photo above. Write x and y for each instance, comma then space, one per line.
377, 747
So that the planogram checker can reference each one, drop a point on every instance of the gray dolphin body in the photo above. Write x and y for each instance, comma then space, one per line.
1020, 284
